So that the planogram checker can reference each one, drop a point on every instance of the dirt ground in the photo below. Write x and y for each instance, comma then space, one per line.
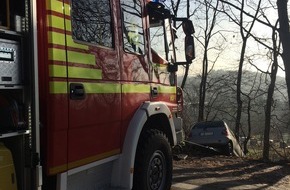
221, 172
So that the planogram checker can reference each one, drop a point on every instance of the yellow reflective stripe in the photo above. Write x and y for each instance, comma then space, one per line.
102, 88
93, 158
71, 43
58, 169
73, 57
58, 87
68, 25
57, 71
85, 73
90, 88
74, 72
67, 21
159, 65
56, 38
67, 9
54, 5
167, 89
81, 162
83, 58
143, 88
55, 22
59, 39
56, 54
135, 88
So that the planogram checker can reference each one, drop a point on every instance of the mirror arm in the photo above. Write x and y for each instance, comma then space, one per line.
172, 68
179, 18
183, 63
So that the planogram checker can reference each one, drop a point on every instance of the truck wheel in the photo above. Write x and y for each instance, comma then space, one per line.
153, 163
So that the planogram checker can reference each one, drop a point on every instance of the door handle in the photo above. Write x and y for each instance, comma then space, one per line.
77, 91
154, 91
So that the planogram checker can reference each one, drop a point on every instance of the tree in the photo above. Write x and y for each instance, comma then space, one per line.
245, 34
284, 33
254, 93
285, 39
208, 33
245, 14
269, 103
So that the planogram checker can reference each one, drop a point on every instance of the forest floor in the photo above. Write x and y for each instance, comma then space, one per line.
213, 171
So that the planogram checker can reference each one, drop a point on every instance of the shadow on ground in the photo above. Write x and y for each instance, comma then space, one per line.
213, 171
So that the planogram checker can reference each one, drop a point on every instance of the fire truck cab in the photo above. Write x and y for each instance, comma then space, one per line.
88, 94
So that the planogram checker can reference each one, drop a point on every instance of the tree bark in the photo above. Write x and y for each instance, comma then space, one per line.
285, 39
210, 24
271, 89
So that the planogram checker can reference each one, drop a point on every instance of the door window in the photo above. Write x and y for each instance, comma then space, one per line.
92, 22
133, 33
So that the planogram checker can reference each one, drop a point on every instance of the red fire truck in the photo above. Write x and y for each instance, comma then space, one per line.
88, 94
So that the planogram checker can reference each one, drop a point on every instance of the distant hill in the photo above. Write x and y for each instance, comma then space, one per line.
221, 102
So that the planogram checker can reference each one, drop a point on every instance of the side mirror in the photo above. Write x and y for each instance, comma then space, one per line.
187, 27
187, 54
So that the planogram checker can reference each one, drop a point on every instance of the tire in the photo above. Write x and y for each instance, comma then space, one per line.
153, 163
229, 149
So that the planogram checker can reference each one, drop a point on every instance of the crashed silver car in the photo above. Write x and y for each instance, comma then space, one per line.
215, 134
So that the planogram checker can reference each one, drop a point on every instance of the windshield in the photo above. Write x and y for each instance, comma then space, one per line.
170, 41
161, 40
157, 41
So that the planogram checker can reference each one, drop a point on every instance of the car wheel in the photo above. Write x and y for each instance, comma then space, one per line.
229, 149
153, 163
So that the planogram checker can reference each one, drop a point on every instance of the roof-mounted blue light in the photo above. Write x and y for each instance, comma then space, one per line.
158, 1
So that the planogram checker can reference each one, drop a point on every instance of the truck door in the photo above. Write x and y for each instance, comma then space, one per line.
135, 67
94, 81
162, 56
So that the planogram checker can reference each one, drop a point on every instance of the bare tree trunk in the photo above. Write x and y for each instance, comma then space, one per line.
202, 88
208, 35
249, 127
239, 91
269, 103
285, 39
245, 36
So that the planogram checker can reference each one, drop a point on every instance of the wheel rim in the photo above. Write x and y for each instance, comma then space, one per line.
157, 171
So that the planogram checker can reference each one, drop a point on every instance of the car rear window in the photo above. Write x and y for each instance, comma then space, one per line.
212, 124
